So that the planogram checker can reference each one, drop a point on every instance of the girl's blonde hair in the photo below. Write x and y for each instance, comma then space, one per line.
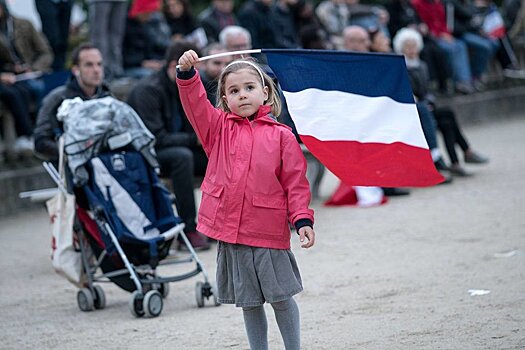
273, 95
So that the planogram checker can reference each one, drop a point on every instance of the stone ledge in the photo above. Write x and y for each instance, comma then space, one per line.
12, 182
487, 106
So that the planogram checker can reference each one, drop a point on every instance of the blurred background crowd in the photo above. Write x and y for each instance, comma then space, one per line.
450, 46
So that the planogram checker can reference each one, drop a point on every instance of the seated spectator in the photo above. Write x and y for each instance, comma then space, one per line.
146, 40
23, 50
402, 14
85, 82
304, 15
283, 21
356, 38
368, 16
212, 68
235, 38
334, 16
409, 43
490, 21
313, 37
16, 103
379, 42
432, 13
179, 18
481, 49
181, 157
55, 17
256, 17
216, 17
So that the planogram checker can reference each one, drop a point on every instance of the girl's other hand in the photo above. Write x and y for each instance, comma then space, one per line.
188, 60
308, 233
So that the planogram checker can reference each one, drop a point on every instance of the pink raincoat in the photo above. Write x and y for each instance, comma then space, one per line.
255, 181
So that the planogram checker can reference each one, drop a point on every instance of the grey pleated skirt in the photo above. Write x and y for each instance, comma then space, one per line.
251, 276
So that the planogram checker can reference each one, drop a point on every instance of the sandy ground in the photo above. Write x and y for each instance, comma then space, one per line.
393, 277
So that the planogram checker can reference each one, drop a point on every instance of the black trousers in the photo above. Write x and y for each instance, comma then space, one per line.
16, 101
452, 135
181, 165
55, 19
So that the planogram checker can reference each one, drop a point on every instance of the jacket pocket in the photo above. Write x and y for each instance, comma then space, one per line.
211, 200
269, 215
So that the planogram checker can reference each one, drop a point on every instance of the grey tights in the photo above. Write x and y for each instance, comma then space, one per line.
287, 316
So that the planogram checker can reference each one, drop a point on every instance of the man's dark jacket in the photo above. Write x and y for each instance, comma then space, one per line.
156, 100
48, 128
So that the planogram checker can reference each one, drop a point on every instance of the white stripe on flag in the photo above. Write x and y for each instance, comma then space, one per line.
342, 116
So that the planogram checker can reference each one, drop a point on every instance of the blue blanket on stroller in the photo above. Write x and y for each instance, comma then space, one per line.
128, 192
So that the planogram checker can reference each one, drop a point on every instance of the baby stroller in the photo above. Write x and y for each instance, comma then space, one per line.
125, 221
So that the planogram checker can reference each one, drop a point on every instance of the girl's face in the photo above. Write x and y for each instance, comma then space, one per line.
410, 49
244, 93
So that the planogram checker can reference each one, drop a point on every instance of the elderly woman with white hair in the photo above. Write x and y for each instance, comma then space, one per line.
409, 43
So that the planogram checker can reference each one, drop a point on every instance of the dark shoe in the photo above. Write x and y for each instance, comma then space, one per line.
441, 165
457, 170
475, 158
394, 191
465, 88
478, 85
197, 240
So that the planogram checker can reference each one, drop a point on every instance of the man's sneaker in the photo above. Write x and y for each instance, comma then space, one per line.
197, 240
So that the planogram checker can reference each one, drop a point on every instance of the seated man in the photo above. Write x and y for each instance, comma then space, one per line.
156, 101
211, 70
85, 82
23, 50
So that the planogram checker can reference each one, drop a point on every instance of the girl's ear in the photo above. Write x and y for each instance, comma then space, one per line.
265, 90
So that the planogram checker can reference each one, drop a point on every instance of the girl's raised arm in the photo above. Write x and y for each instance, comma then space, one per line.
205, 119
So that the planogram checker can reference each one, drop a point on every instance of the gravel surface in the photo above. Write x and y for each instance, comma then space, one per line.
392, 277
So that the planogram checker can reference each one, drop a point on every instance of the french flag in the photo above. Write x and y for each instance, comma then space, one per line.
356, 113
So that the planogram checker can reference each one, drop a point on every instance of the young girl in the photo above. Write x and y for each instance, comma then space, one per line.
255, 183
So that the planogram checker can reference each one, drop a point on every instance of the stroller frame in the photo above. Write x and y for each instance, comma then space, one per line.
150, 288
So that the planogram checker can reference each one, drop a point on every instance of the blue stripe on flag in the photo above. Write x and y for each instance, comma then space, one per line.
367, 74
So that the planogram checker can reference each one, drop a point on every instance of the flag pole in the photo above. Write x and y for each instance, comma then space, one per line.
231, 53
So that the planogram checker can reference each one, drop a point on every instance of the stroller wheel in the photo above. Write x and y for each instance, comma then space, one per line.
199, 294
135, 304
100, 298
152, 303
164, 289
85, 299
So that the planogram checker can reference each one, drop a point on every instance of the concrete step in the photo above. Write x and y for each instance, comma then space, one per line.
14, 181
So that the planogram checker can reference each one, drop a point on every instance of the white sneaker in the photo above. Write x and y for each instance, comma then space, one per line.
24, 144
514, 73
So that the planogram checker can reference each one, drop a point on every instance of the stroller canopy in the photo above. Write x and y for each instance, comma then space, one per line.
95, 125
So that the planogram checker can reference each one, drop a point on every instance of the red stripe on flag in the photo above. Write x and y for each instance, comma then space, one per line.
376, 164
